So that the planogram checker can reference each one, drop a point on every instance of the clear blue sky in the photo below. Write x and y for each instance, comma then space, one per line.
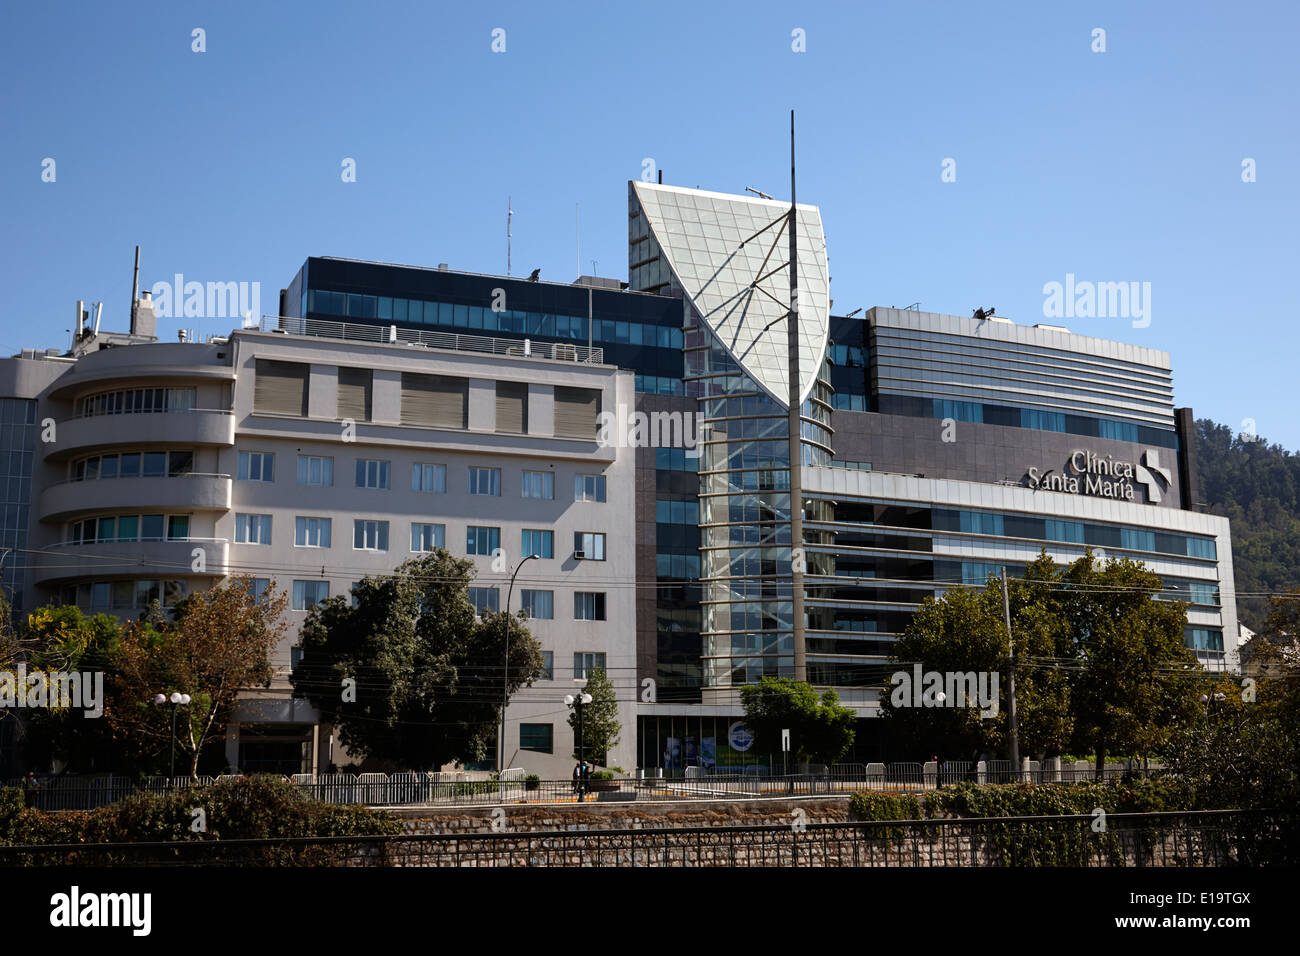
1117, 166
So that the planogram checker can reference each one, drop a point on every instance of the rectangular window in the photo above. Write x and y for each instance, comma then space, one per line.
536, 737
426, 537
540, 543
372, 474
179, 464
485, 481
311, 532
1137, 539
313, 470
131, 465
548, 665
432, 478
589, 606
252, 529
539, 484
178, 527
151, 527
369, 535
482, 540
1071, 531
589, 545
260, 587
434, 400
280, 388
355, 387
584, 662
539, 605
253, 466
485, 600
512, 407
577, 411
588, 487
307, 594
155, 464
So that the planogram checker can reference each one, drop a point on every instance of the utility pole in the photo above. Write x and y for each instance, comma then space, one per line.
796, 445
505, 678
1011, 682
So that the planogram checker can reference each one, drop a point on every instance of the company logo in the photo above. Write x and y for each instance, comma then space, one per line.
1153, 476
1098, 300
1088, 473
739, 737
54, 689
946, 689
75, 908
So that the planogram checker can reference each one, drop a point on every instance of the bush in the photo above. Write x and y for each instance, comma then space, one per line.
869, 805
248, 808
603, 775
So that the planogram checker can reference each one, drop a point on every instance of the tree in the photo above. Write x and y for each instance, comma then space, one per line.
219, 644
820, 729
409, 674
600, 725
1100, 664
60, 638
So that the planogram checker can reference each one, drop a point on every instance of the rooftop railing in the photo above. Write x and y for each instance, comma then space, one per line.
394, 335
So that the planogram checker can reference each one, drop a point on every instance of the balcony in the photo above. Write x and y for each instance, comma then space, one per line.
200, 426
141, 559
193, 492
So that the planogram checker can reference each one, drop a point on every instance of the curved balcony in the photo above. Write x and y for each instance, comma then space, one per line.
172, 559
163, 362
193, 492
201, 426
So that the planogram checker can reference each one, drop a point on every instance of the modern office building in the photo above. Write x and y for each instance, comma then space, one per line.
933, 450
315, 460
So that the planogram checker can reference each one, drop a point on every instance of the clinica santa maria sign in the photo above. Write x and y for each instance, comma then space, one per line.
1087, 473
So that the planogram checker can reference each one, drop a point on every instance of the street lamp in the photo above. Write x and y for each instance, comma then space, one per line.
505, 676
176, 699
579, 701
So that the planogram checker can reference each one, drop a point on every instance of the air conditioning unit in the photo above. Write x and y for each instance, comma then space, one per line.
565, 353
579, 555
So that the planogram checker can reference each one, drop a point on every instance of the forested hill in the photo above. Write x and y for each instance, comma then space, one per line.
1257, 486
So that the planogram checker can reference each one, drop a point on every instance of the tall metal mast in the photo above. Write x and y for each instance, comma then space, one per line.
796, 449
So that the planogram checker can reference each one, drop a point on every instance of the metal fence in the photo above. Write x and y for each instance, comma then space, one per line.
1200, 839
484, 789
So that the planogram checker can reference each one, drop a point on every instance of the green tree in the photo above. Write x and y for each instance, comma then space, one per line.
60, 638
219, 644
821, 730
425, 675
600, 724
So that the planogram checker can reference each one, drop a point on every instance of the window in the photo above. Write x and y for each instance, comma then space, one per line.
309, 593
484, 481
372, 474
137, 400
256, 466
1071, 531
539, 605
154, 464
482, 540
589, 606
252, 529
313, 470
178, 527
485, 600
584, 662
540, 543
1201, 548
260, 587
311, 532
539, 484
179, 464
548, 665
355, 388
536, 737
429, 478
369, 535
426, 537
588, 487
1137, 540
281, 388
589, 545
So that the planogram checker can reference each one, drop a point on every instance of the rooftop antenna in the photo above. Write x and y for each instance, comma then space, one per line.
751, 189
135, 288
509, 214
99, 310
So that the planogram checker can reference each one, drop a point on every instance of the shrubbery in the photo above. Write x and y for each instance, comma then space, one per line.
1145, 795
250, 808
